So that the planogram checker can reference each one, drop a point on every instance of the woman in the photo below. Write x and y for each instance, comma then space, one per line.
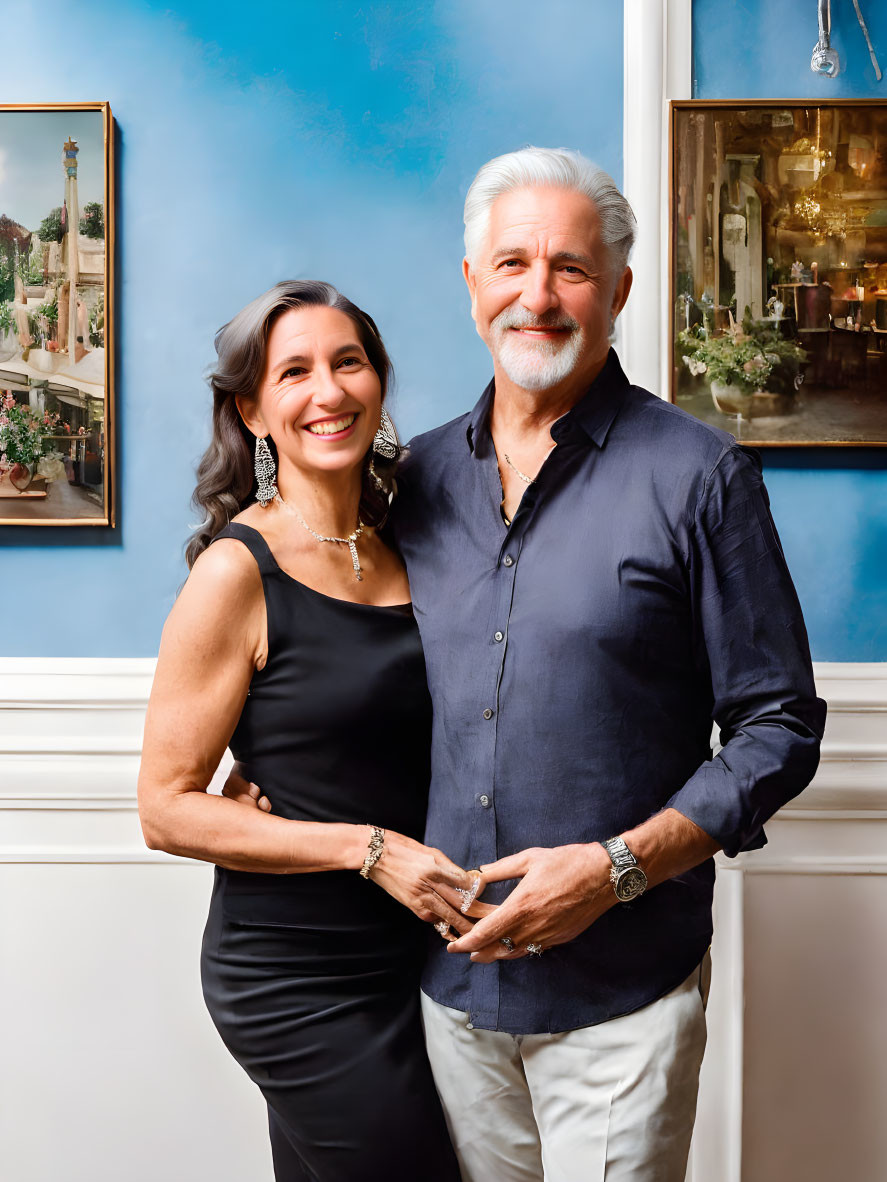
293, 642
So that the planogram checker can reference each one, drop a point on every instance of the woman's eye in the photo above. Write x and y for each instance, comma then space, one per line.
350, 361
294, 371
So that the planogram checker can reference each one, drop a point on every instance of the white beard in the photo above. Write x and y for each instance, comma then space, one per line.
535, 365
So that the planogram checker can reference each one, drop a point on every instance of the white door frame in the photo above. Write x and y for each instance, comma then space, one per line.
658, 67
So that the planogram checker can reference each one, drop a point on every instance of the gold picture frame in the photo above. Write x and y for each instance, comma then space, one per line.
57, 315
778, 269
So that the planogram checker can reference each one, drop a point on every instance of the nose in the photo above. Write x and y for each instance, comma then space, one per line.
328, 391
538, 294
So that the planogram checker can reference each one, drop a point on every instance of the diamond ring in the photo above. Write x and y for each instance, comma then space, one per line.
508, 942
442, 926
534, 949
469, 895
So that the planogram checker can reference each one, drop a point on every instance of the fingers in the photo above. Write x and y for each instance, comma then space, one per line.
438, 909
237, 789
478, 910
454, 896
451, 874
514, 866
489, 931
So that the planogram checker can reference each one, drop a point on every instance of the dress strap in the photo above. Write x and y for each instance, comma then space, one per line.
254, 542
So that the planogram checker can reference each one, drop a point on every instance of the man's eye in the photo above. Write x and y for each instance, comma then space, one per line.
574, 270
510, 263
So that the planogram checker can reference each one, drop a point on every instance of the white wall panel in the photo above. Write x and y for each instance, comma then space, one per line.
111, 1068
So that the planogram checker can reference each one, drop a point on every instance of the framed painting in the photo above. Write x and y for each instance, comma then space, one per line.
57, 445
778, 265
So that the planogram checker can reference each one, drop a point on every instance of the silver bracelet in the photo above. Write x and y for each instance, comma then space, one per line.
375, 851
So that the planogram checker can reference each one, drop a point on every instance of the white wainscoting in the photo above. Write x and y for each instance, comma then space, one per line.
110, 1067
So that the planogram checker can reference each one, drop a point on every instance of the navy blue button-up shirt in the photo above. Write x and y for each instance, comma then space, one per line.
576, 659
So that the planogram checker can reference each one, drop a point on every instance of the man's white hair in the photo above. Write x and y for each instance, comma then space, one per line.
557, 168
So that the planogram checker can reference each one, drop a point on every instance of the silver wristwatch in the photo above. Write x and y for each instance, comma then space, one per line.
628, 880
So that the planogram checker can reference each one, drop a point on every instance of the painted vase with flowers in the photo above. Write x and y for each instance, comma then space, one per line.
753, 370
23, 431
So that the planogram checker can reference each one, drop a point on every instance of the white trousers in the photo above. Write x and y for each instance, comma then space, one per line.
609, 1103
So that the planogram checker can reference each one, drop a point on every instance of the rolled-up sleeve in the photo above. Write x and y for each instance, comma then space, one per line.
751, 643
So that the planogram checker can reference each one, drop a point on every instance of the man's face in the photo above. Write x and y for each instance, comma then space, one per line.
543, 295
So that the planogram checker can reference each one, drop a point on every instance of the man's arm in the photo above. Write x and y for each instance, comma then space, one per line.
751, 646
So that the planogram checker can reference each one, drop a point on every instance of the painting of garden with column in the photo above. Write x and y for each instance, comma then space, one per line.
55, 409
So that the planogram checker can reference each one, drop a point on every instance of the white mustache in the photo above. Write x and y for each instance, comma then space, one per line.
515, 318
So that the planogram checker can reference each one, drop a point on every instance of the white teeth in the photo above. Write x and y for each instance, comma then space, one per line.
332, 428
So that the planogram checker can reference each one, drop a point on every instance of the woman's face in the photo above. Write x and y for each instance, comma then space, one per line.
319, 399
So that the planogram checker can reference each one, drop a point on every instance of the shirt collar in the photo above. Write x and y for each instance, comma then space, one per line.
593, 414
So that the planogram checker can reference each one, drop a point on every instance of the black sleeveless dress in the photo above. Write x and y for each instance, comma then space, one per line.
312, 980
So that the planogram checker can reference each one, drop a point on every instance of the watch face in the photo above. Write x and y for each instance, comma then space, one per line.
630, 884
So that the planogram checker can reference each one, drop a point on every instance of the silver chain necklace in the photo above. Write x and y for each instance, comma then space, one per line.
350, 541
517, 471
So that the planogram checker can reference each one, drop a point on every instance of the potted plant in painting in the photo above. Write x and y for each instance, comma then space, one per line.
22, 434
753, 370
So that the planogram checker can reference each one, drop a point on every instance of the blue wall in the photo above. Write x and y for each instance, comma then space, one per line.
258, 142
830, 505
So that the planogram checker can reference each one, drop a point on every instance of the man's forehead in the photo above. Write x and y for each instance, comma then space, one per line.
560, 215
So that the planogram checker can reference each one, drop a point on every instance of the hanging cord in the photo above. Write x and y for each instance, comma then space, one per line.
868, 39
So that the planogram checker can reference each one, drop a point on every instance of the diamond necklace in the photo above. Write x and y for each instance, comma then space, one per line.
350, 541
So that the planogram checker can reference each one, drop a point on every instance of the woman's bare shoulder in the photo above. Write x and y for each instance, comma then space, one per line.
225, 575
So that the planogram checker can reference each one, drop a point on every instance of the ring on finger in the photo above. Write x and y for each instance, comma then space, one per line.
508, 942
442, 926
535, 949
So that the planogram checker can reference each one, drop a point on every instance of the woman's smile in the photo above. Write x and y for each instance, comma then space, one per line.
338, 428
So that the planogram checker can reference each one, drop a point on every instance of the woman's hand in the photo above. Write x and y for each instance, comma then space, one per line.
427, 881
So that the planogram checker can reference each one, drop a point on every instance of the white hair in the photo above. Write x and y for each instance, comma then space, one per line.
557, 168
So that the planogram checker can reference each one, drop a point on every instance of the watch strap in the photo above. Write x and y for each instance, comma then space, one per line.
619, 853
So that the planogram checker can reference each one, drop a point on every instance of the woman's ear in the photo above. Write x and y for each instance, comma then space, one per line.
248, 410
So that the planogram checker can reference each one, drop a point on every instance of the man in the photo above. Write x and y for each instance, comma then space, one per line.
596, 577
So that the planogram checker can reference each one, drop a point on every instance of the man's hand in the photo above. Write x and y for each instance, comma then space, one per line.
562, 892
239, 789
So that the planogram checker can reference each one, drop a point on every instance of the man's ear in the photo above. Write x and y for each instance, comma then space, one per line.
248, 410
620, 295
471, 280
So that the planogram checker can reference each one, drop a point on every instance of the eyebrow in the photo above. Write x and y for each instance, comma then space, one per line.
301, 359
563, 256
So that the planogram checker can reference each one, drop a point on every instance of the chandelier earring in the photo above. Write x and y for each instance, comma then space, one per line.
385, 441
266, 473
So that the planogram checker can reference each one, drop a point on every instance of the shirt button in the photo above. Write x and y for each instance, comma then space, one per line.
488, 713
508, 560
485, 801
469, 1025
498, 636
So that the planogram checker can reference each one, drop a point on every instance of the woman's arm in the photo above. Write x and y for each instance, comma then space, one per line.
213, 641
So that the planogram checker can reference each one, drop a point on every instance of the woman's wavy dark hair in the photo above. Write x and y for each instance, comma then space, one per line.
226, 481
